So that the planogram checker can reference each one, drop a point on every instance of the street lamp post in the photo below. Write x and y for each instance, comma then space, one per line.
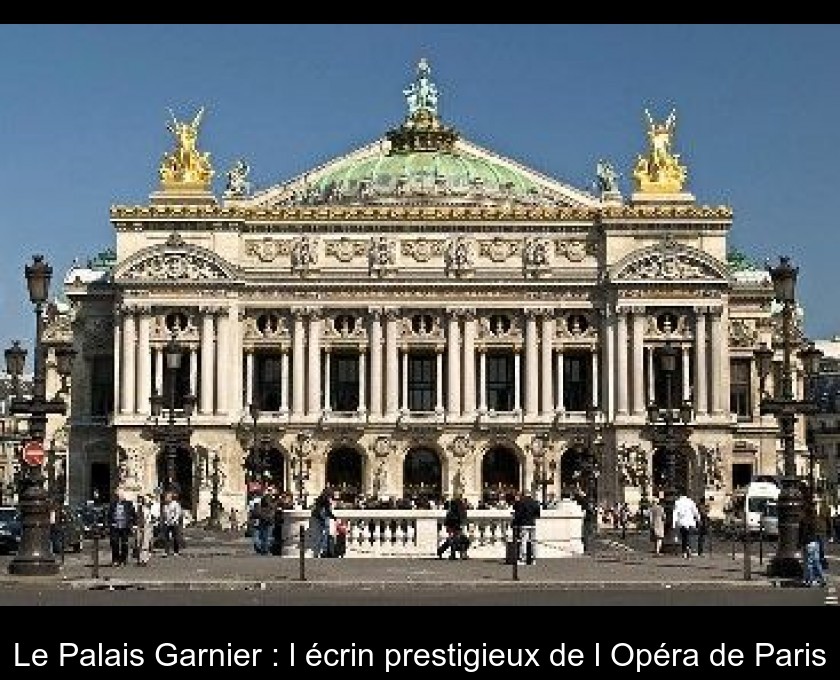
301, 467
543, 470
670, 431
34, 557
253, 463
215, 520
170, 434
787, 562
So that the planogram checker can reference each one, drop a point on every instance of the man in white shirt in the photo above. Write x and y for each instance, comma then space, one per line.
686, 519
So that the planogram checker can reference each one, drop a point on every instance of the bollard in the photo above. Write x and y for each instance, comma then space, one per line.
516, 544
96, 555
302, 553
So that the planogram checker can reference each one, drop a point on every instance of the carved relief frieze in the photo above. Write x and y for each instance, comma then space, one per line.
345, 249
345, 326
178, 265
575, 250
500, 327
421, 326
268, 249
264, 325
743, 333
577, 325
305, 255
423, 249
500, 249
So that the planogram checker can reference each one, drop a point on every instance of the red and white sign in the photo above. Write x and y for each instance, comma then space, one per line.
33, 453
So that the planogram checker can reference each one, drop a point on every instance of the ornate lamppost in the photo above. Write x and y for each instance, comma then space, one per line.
253, 463
214, 521
787, 562
170, 434
301, 466
34, 557
543, 470
670, 431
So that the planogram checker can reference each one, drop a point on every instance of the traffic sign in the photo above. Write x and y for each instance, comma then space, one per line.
33, 453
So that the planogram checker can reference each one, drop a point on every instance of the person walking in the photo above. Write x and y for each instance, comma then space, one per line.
322, 514
686, 518
623, 519
173, 515
809, 541
144, 530
263, 525
526, 510
453, 522
657, 525
121, 520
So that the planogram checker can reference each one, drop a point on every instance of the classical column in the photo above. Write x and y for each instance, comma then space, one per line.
234, 394
375, 363
595, 386
517, 380
621, 359
439, 380
608, 347
639, 361
298, 364
651, 384
144, 363
118, 381
700, 376
284, 380
129, 346
717, 348
392, 367
468, 368
159, 369
193, 370
561, 405
686, 376
314, 368
547, 349
404, 380
482, 380
532, 376
249, 375
362, 382
327, 382
208, 353
453, 365
223, 360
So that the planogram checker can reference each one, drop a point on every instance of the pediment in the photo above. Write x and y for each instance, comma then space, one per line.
669, 260
175, 260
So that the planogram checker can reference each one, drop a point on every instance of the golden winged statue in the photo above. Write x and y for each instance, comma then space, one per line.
185, 167
660, 171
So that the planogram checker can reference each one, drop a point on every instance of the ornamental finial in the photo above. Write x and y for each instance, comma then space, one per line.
660, 172
185, 168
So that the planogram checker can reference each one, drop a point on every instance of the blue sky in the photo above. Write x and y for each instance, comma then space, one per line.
83, 113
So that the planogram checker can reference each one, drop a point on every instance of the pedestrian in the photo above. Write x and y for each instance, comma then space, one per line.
121, 520
281, 504
702, 527
173, 515
686, 518
144, 530
322, 514
233, 519
526, 510
657, 525
453, 522
623, 519
262, 520
809, 535
836, 522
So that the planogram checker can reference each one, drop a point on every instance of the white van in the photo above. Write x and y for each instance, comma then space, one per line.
759, 499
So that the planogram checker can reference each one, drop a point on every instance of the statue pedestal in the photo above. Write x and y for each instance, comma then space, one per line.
183, 197
680, 198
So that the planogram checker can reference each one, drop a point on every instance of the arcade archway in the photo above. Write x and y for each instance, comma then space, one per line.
501, 475
422, 474
344, 473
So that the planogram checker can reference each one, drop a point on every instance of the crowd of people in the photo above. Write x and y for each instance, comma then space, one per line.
135, 527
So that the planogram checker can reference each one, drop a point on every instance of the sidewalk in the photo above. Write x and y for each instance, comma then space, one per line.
220, 561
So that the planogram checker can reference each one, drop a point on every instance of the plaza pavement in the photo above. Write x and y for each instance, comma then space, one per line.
225, 561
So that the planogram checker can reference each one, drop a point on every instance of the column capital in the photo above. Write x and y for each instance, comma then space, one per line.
391, 313
375, 313
638, 309
314, 313
531, 313
701, 309
622, 309
297, 313
469, 313
209, 310
453, 313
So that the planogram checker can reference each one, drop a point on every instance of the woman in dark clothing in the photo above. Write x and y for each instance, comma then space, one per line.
455, 542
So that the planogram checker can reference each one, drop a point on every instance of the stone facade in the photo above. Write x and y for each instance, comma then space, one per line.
418, 317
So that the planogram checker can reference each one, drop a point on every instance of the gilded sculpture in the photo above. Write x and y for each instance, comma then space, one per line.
660, 171
186, 168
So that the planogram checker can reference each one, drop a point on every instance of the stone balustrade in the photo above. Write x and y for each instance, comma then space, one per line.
417, 533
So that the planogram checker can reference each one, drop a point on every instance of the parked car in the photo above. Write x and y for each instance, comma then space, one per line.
11, 529
69, 530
